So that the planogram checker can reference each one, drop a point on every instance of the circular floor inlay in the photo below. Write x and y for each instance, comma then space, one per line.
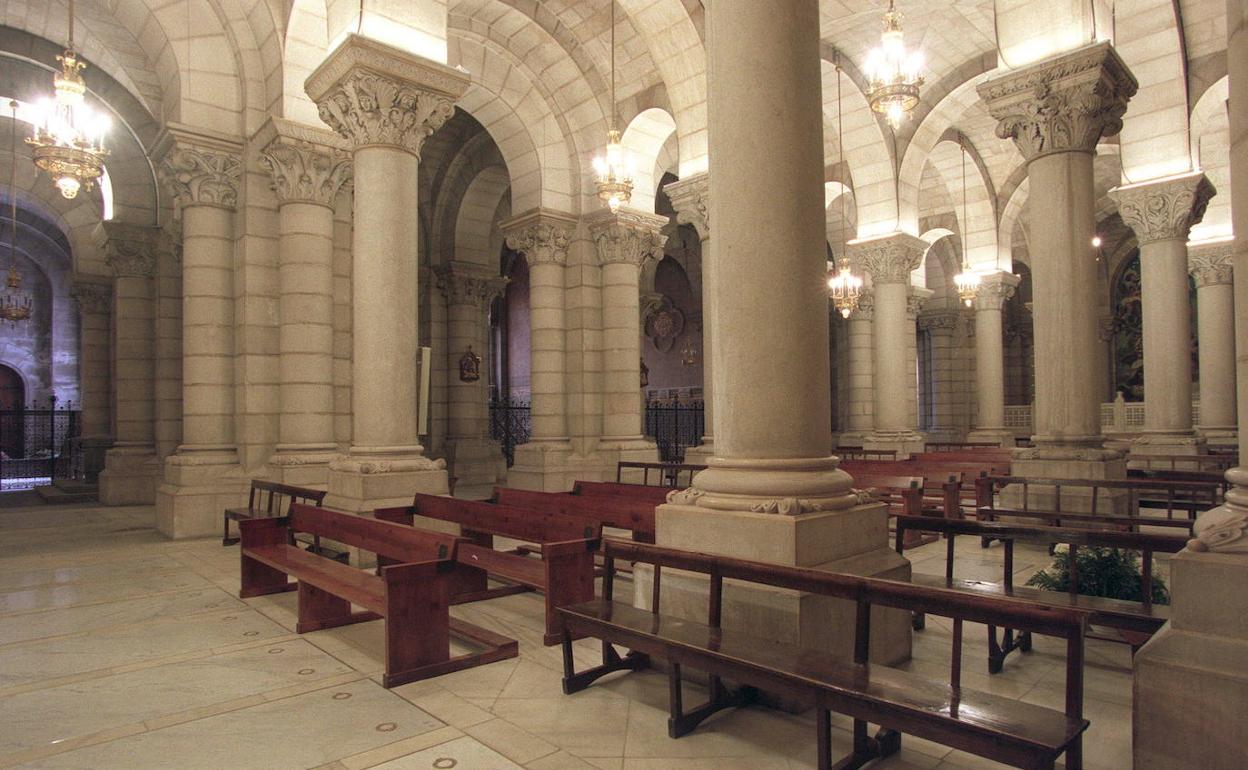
387, 727
277, 650
306, 671
230, 617
251, 633
341, 695
444, 762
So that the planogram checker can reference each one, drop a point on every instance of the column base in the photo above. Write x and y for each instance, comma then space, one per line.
852, 540
999, 436
363, 481
700, 454
636, 449
904, 442
852, 438
476, 465
552, 466
1191, 679
94, 449
130, 476
197, 488
1072, 461
1219, 435
302, 466
1187, 443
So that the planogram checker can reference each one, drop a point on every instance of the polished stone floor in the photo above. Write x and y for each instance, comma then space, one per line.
119, 649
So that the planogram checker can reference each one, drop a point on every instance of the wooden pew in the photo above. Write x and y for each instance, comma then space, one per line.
1002, 729
635, 516
655, 495
959, 446
1136, 622
1085, 520
265, 500
564, 573
668, 473
858, 453
1190, 496
943, 490
412, 594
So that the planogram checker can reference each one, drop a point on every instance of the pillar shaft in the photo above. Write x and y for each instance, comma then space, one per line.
1210, 266
691, 199
167, 346
994, 291
861, 370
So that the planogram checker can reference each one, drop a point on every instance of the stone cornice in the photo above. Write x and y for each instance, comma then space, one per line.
1211, 263
628, 236
940, 320
464, 284
373, 94
888, 258
541, 235
1164, 209
995, 290
691, 197
1064, 104
92, 297
130, 250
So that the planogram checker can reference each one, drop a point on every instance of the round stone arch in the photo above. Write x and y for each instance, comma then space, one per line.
644, 139
1211, 152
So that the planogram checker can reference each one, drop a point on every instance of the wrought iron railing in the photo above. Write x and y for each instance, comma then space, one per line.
511, 423
37, 444
675, 427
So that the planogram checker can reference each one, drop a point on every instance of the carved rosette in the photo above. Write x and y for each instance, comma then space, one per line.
92, 297
463, 285
541, 236
1164, 210
201, 176
1211, 264
1064, 104
304, 172
130, 250
626, 237
993, 295
691, 197
890, 259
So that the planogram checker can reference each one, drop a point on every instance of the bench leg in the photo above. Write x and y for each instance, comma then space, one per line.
823, 729
997, 651
680, 723
259, 579
569, 580
918, 620
319, 610
611, 662
1074, 755
418, 633
226, 540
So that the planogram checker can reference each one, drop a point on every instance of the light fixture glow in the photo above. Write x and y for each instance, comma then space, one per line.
844, 287
615, 169
893, 73
968, 280
1096, 241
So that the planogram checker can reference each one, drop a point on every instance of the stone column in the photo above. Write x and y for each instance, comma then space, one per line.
94, 301
130, 467
309, 167
889, 260
1162, 213
203, 477
691, 199
167, 347
385, 102
475, 460
994, 291
772, 491
861, 394
542, 237
1056, 111
1210, 266
915, 300
624, 241
942, 328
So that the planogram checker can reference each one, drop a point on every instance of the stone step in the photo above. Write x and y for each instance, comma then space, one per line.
63, 492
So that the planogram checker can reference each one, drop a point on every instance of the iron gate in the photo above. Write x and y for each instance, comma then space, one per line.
511, 423
675, 427
36, 445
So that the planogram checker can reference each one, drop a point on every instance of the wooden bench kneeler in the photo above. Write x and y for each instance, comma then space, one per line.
264, 501
413, 596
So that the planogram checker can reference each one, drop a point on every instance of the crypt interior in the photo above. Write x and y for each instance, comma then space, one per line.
822, 296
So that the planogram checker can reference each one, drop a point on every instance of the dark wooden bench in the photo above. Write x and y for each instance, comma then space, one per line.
668, 473
961, 446
635, 516
1135, 622
1005, 730
264, 500
562, 567
411, 594
858, 453
1191, 497
1205, 462
1080, 520
654, 495
943, 487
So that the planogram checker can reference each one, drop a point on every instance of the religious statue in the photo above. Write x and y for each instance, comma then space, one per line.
469, 366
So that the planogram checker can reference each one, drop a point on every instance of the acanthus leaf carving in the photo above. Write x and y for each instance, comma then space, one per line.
1166, 209
306, 172
200, 176
368, 108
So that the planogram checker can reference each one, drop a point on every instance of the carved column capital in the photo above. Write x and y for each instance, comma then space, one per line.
691, 197
626, 237
888, 258
542, 236
866, 307
308, 165
1211, 264
1064, 104
372, 94
199, 169
942, 321
464, 284
915, 301
1164, 209
92, 297
995, 290
130, 250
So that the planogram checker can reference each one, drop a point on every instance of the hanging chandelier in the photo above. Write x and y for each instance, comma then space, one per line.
893, 73
844, 287
15, 304
614, 169
69, 136
968, 280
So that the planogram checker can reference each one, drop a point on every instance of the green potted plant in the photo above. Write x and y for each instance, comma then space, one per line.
1106, 572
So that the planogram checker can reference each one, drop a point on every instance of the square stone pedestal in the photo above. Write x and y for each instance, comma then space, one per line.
130, 476
197, 489
853, 541
477, 465
552, 466
904, 443
639, 450
301, 469
698, 455
362, 487
1191, 679
1096, 464
1002, 438
1167, 444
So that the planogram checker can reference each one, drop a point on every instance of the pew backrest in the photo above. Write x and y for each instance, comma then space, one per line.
392, 541
268, 494
635, 516
613, 490
507, 521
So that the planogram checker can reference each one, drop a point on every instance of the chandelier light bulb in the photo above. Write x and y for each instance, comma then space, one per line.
1096, 241
893, 73
845, 288
69, 187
